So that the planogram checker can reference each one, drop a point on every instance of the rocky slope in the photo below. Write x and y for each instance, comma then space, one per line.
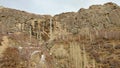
89, 38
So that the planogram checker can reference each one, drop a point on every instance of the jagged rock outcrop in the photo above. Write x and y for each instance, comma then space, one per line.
89, 38
12, 20
97, 29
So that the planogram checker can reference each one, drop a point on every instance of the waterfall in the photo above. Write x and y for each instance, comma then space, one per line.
30, 30
35, 52
42, 59
20, 48
51, 28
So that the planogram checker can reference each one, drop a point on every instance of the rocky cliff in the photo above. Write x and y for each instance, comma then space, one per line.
89, 38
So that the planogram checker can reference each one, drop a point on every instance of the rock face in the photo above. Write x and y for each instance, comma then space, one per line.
89, 38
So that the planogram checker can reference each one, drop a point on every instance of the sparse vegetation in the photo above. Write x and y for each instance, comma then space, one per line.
89, 38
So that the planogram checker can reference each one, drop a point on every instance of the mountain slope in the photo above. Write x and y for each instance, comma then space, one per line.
89, 38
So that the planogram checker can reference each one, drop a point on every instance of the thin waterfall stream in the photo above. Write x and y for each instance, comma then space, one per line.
51, 29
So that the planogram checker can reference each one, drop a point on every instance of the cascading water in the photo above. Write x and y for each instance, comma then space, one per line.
51, 29
30, 31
